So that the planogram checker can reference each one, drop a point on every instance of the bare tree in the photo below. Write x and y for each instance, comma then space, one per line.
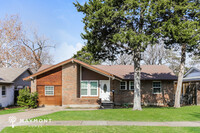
194, 61
154, 55
10, 32
159, 55
124, 59
20, 49
172, 59
39, 47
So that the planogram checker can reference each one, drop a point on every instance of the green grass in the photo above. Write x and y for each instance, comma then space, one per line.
11, 110
100, 129
189, 113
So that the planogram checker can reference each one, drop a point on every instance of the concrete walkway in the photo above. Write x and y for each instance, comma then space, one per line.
114, 123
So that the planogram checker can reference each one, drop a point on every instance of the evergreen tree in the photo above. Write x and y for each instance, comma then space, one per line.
180, 22
114, 27
85, 56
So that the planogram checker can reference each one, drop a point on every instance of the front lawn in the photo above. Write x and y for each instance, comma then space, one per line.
100, 129
11, 110
189, 113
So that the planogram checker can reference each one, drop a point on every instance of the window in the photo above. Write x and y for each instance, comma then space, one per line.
84, 88
49, 90
131, 85
89, 88
93, 87
123, 85
3, 90
156, 87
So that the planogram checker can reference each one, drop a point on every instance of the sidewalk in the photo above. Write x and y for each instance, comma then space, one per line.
115, 123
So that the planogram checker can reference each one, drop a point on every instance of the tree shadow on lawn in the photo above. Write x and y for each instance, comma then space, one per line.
195, 114
145, 107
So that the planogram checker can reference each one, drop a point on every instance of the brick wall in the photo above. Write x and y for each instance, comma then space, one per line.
71, 86
126, 96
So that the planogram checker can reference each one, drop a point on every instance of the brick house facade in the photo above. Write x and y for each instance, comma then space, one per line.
73, 83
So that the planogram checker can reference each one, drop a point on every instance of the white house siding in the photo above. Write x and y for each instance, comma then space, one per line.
9, 98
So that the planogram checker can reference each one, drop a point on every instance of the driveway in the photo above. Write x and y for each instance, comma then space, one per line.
4, 119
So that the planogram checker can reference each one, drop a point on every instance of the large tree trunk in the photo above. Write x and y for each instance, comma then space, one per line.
137, 69
180, 77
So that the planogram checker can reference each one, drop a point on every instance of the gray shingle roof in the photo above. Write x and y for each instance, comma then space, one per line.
8, 75
44, 67
148, 72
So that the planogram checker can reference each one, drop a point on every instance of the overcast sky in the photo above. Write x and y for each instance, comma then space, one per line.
57, 19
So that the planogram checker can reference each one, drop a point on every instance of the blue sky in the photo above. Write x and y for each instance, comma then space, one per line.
56, 19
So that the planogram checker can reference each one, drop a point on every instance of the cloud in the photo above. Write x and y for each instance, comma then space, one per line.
65, 51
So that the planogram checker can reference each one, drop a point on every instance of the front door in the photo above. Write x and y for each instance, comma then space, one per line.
105, 90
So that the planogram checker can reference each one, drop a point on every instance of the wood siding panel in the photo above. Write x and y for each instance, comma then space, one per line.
53, 77
91, 75
49, 100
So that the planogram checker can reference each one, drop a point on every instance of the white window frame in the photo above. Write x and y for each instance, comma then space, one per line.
130, 85
89, 89
125, 85
157, 87
2, 90
48, 94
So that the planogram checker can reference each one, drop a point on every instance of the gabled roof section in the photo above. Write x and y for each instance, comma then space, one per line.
9, 75
148, 72
193, 74
44, 67
190, 70
69, 61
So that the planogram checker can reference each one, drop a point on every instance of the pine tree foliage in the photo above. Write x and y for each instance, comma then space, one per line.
87, 57
179, 25
114, 27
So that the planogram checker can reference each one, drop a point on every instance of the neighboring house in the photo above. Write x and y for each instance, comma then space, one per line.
11, 80
191, 87
73, 83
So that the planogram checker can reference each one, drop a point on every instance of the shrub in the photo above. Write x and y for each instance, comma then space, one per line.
125, 105
27, 99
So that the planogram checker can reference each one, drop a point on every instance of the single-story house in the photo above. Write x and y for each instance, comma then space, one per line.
73, 83
191, 87
11, 80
